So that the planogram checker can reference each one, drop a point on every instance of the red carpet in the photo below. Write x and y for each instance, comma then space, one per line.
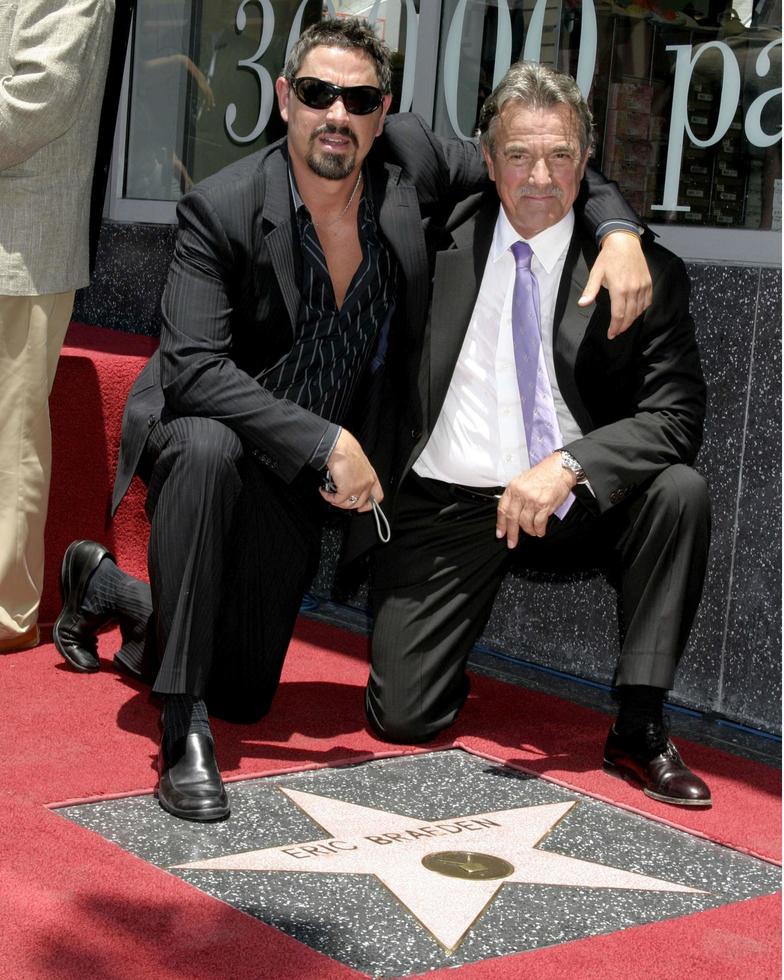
96, 370
75, 904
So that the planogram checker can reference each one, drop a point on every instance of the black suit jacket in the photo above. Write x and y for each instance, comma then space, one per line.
639, 399
231, 300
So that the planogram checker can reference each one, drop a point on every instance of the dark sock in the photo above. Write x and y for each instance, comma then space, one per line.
137, 653
184, 715
111, 592
640, 706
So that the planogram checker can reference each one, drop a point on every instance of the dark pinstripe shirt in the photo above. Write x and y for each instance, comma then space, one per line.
332, 346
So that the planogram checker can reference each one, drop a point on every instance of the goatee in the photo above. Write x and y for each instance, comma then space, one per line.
331, 166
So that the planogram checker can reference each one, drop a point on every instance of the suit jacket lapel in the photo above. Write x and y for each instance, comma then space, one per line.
278, 231
457, 278
569, 327
399, 219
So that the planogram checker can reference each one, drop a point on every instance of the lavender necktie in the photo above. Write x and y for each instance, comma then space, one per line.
542, 432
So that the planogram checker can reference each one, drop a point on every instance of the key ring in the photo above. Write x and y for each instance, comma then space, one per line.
382, 524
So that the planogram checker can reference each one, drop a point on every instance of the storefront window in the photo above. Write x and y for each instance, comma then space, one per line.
686, 94
202, 77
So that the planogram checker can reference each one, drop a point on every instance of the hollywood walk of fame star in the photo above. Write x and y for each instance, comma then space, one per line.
392, 847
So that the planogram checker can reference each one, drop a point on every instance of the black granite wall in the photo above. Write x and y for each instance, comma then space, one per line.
127, 283
733, 662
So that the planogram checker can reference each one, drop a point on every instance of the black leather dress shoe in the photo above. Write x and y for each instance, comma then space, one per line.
75, 632
652, 761
190, 785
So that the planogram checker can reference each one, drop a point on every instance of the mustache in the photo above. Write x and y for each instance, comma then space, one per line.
334, 130
532, 192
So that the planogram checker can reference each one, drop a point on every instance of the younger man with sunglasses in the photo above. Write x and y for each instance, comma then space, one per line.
298, 273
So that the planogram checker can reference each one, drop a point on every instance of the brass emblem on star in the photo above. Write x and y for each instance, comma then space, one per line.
468, 865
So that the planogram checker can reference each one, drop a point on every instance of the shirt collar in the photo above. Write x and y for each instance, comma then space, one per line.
298, 202
548, 246
301, 208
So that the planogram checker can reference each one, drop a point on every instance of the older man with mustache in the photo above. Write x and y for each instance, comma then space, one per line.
545, 445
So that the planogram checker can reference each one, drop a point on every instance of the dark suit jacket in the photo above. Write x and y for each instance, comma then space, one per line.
231, 300
639, 399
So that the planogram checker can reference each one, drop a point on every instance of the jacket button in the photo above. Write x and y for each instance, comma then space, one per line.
264, 458
152, 419
416, 434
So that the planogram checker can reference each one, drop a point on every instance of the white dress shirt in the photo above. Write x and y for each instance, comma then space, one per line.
479, 437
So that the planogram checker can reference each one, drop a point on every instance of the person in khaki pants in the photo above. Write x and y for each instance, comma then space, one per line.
54, 56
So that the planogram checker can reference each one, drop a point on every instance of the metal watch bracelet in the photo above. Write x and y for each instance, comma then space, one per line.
570, 463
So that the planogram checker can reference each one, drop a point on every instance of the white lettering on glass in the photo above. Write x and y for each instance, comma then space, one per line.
503, 42
586, 59
412, 36
679, 120
373, 15
532, 49
266, 88
687, 58
452, 51
412, 33
266, 84
296, 25
754, 131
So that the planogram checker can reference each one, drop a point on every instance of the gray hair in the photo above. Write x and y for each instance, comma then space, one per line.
536, 86
352, 33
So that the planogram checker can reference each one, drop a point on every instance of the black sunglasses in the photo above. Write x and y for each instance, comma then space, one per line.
359, 100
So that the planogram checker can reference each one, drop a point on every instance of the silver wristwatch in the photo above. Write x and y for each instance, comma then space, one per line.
570, 463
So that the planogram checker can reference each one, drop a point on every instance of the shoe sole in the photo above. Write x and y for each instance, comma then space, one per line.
629, 777
19, 646
205, 816
67, 588
61, 650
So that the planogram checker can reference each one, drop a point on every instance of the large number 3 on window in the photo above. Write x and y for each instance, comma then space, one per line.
266, 87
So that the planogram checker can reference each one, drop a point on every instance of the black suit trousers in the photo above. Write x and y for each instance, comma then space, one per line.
435, 582
232, 549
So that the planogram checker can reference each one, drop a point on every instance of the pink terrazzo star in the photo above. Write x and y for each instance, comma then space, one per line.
392, 847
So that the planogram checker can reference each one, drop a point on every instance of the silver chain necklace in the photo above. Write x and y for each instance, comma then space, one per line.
329, 224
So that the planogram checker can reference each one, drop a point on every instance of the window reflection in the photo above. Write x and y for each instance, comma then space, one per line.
202, 82
635, 88
203, 74
161, 65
